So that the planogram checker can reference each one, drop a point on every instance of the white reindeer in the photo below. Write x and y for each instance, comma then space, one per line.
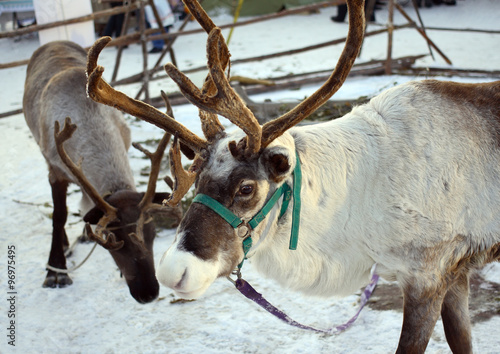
409, 182
55, 89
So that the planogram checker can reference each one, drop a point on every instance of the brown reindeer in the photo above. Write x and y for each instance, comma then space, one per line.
409, 182
54, 90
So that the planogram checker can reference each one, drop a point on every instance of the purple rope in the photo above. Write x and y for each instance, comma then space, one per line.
247, 290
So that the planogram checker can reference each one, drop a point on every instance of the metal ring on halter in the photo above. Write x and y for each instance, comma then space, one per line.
243, 230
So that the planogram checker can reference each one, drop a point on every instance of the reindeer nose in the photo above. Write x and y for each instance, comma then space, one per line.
144, 293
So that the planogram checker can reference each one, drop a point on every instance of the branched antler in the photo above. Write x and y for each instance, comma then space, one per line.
216, 47
109, 211
273, 129
222, 99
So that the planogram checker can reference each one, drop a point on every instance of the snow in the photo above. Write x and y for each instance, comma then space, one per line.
97, 315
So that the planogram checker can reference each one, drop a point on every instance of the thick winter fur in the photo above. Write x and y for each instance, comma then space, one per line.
54, 90
409, 181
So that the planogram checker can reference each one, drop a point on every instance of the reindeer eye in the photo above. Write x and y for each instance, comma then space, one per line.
246, 189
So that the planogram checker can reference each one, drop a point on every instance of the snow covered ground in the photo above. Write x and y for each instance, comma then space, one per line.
97, 315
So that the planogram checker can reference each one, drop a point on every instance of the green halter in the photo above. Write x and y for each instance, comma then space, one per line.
285, 191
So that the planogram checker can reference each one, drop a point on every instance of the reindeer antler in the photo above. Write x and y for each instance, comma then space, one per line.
109, 211
273, 129
146, 205
224, 101
156, 157
100, 91
218, 97
183, 179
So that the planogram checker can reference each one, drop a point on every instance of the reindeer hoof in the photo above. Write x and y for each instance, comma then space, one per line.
55, 280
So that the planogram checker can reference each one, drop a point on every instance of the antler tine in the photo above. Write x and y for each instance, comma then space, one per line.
207, 24
100, 91
210, 125
109, 211
146, 204
273, 129
155, 158
183, 179
168, 106
224, 101
200, 15
60, 138
109, 243
190, 154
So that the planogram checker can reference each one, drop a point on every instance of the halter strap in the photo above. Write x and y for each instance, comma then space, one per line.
247, 290
231, 218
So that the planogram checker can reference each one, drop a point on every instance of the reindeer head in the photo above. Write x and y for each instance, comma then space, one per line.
123, 219
236, 174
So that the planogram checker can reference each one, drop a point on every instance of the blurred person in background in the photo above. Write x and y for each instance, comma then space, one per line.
167, 21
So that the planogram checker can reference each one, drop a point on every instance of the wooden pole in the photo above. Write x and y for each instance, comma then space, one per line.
122, 33
158, 65
431, 43
390, 30
417, 11
142, 27
90, 17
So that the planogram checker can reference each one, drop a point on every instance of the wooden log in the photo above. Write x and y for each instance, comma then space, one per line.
137, 77
11, 113
123, 31
131, 38
374, 67
90, 17
449, 72
404, 67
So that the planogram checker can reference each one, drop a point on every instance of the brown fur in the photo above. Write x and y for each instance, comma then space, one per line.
482, 97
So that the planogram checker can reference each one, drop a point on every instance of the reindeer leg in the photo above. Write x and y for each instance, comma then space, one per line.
59, 237
455, 316
420, 314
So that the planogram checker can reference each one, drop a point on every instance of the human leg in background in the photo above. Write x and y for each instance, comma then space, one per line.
342, 12
158, 43
115, 23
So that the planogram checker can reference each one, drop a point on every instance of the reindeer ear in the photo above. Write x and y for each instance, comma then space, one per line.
93, 216
277, 164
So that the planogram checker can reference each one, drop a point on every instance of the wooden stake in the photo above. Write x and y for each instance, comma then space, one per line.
390, 30
431, 43
122, 33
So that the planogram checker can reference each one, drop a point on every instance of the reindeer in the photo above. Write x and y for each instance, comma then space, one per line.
409, 182
54, 89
